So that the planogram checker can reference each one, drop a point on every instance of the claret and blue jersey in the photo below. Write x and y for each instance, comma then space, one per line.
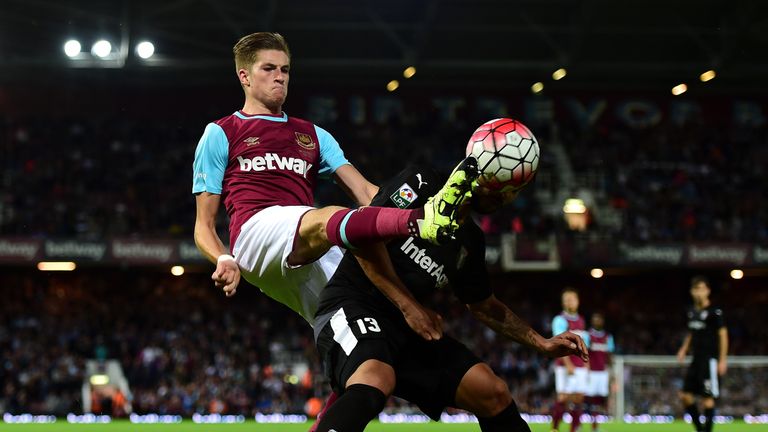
575, 324
258, 161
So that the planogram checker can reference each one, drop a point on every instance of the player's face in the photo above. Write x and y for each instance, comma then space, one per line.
570, 302
267, 81
700, 292
598, 321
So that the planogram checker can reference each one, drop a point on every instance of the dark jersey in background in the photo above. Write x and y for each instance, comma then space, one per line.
704, 325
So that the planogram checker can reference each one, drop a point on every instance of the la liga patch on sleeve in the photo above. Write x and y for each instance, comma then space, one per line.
404, 196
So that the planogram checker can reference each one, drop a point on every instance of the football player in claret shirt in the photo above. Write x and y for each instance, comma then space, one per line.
370, 353
263, 165
601, 347
571, 372
707, 341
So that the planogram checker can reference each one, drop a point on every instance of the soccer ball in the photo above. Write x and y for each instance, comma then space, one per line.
507, 154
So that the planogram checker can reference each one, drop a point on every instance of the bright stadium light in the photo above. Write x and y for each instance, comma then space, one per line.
596, 273
72, 48
537, 87
177, 270
145, 49
393, 85
99, 379
707, 76
737, 274
101, 48
409, 72
574, 206
559, 74
56, 266
679, 89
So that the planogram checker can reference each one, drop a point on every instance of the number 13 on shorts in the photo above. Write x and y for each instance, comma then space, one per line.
368, 324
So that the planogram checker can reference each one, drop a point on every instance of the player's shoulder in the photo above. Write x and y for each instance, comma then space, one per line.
227, 120
301, 122
717, 310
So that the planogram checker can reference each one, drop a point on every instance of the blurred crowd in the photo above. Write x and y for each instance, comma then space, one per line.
677, 182
185, 348
113, 176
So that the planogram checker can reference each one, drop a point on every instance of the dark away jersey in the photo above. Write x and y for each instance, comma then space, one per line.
704, 326
422, 266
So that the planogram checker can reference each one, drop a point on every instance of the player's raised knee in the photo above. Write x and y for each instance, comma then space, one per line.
313, 225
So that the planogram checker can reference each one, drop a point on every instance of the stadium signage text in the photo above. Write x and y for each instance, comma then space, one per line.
651, 254
18, 249
141, 250
760, 255
637, 112
22, 251
718, 254
74, 249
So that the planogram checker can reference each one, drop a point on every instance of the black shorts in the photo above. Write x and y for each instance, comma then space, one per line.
428, 373
702, 379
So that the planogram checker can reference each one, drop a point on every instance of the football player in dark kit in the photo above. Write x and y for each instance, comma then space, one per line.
370, 353
707, 341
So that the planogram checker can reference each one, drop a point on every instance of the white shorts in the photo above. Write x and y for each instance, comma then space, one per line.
571, 384
261, 250
598, 383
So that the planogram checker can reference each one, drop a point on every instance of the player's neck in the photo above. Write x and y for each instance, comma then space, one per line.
702, 305
254, 107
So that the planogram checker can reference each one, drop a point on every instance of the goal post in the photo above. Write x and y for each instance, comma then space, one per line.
649, 385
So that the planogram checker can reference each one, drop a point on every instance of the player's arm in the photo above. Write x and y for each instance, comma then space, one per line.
334, 163
378, 267
501, 319
206, 238
611, 350
684, 348
355, 185
722, 363
227, 274
374, 259
208, 173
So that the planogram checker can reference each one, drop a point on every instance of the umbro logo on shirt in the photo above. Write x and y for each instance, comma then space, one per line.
250, 141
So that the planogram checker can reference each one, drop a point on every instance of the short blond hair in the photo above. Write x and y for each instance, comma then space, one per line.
246, 50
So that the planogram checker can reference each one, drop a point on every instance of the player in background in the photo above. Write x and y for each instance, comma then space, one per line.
263, 165
570, 372
601, 347
707, 341
370, 353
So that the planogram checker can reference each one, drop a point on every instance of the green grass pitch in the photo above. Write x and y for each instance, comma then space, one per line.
124, 426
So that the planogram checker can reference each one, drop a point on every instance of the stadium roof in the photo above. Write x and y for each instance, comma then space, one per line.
475, 42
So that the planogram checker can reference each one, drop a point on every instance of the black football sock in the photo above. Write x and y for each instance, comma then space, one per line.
693, 410
508, 420
709, 414
353, 410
